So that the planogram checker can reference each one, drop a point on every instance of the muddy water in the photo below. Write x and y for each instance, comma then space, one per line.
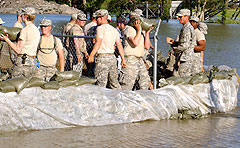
220, 130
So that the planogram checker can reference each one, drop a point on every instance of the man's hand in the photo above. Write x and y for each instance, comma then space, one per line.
3, 37
137, 25
150, 30
123, 63
79, 58
90, 59
86, 55
150, 86
169, 40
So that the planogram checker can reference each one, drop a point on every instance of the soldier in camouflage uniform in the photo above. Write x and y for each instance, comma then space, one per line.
26, 46
65, 40
77, 45
135, 44
106, 63
184, 47
49, 49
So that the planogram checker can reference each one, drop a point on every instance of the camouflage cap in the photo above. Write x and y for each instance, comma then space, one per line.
1, 21
19, 12
137, 12
194, 18
101, 12
183, 12
74, 16
45, 22
81, 17
29, 10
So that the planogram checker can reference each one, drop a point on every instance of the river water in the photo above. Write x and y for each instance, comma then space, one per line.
218, 130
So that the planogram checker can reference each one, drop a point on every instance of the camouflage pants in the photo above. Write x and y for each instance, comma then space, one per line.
26, 70
197, 63
106, 69
46, 72
135, 69
185, 69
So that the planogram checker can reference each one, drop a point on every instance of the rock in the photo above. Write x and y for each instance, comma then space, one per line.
41, 6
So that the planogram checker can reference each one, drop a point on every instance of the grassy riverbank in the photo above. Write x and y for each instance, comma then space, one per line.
229, 14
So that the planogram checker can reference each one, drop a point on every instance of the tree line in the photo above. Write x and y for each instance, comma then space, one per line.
202, 8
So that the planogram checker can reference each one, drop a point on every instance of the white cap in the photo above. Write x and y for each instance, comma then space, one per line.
109, 18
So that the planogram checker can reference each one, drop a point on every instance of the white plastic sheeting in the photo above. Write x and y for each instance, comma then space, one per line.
90, 105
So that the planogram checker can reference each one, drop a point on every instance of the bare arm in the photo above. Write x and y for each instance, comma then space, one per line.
61, 59
200, 46
95, 49
147, 42
16, 47
121, 52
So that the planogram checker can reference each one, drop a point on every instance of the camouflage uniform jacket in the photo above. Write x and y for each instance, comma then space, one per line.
185, 45
77, 30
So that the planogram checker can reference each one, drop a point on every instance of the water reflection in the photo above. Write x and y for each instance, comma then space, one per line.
214, 131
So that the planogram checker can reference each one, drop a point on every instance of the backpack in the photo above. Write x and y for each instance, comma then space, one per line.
52, 49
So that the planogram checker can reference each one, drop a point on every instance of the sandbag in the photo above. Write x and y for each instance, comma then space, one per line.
51, 85
146, 23
186, 79
221, 75
66, 83
19, 83
85, 80
35, 82
13, 32
199, 78
5, 56
66, 75
5, 87
174, 80
4, 76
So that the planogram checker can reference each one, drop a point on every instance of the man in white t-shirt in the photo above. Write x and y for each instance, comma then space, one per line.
136, 42
49, 49
106, 64
199, 46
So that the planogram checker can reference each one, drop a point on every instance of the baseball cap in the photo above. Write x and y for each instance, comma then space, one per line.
29, 10
45, 22
109, 18
19, 12
101, 12
194, 18
82, 17
137, 12
183, 12
94, 15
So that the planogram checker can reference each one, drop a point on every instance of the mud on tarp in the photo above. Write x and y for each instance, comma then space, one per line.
90, 105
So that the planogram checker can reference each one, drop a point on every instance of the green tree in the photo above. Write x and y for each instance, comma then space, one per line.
165, 9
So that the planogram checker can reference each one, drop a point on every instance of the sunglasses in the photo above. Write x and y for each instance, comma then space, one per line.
180, 16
